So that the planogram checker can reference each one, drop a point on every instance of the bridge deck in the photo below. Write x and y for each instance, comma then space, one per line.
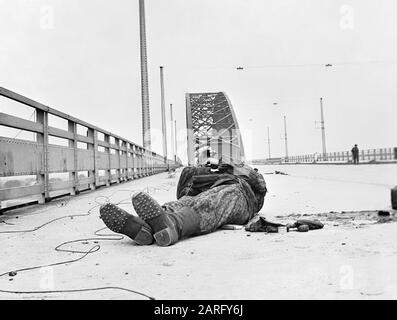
347, 259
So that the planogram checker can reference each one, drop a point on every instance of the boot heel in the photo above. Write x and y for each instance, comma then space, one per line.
166, 237
144, 237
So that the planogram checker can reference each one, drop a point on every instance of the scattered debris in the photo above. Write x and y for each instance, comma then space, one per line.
231, 227
304, 225
385, 217
356, 219
371, 293
262, 225
303, 228
12, 274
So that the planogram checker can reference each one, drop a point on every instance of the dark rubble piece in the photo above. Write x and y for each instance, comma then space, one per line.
312, 224
385, 217
282, 173
262, 225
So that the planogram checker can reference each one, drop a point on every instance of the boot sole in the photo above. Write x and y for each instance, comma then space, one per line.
116, 220
151, 212
146, 207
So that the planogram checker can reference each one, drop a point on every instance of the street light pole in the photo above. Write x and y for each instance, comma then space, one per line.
163, 116
323, 130
176, 142
268, 141
286, 138
147, 142
172, 133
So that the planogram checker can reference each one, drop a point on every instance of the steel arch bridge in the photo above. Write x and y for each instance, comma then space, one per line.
211, 122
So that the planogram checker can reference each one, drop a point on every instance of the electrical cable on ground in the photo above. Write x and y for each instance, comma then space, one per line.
95, 248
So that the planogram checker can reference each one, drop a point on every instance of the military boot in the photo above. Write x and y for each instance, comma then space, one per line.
168, 228
120, 221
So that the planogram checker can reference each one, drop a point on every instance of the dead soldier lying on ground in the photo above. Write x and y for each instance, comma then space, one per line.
208, 199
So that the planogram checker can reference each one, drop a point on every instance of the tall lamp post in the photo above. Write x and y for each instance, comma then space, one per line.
144, 79
176, 142
286, 138
163, 116
268, 141
172, 132
323, 130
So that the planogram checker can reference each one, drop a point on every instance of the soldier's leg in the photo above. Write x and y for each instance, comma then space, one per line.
192, 216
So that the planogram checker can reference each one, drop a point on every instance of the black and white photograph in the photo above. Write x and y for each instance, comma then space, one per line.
191, 150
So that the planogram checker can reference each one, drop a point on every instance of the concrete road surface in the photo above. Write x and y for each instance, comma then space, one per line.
351, 258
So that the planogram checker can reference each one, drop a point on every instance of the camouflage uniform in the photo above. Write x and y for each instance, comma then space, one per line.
231, 196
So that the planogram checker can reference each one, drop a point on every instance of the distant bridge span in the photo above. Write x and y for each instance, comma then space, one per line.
211, 122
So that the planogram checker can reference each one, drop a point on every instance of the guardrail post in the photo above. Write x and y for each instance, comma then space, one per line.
127, 163
140, 163
149, 162
134, 166
73, 176
143, 162
94, 147
43, 177
152, 163
108, 170
118, 171
127, 154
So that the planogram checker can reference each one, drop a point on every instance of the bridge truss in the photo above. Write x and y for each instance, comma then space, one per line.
212, 123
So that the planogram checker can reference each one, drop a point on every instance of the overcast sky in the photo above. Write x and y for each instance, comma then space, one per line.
82, 57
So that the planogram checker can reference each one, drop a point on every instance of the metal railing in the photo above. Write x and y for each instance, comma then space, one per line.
104, 161
380, 155
370, 155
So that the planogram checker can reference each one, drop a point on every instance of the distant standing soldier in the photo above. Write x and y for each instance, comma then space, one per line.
355, 153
